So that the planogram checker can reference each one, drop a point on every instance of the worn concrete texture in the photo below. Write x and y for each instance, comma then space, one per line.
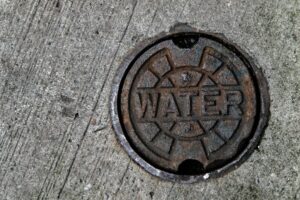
57, 61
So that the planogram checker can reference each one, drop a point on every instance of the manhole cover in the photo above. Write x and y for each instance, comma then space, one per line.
188, 106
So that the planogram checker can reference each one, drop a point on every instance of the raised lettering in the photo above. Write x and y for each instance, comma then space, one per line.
188, 102
148, 104
209, 102
169, 106
233, 102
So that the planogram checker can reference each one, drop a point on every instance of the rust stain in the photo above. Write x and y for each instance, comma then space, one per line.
186, 104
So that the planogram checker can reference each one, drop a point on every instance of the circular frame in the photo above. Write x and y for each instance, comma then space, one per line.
262, 115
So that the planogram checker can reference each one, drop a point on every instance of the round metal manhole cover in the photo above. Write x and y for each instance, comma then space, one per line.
188, 106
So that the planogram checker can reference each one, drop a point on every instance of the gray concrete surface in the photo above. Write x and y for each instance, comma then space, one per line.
56, 66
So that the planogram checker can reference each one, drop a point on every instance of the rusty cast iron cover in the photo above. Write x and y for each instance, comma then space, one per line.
188, 106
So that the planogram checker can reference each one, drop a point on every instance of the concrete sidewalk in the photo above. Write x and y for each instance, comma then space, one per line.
57, 61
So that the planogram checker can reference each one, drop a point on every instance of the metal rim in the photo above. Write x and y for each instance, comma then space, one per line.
263, 115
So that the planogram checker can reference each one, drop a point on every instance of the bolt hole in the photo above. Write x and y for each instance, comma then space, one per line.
190, 167
185, 42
